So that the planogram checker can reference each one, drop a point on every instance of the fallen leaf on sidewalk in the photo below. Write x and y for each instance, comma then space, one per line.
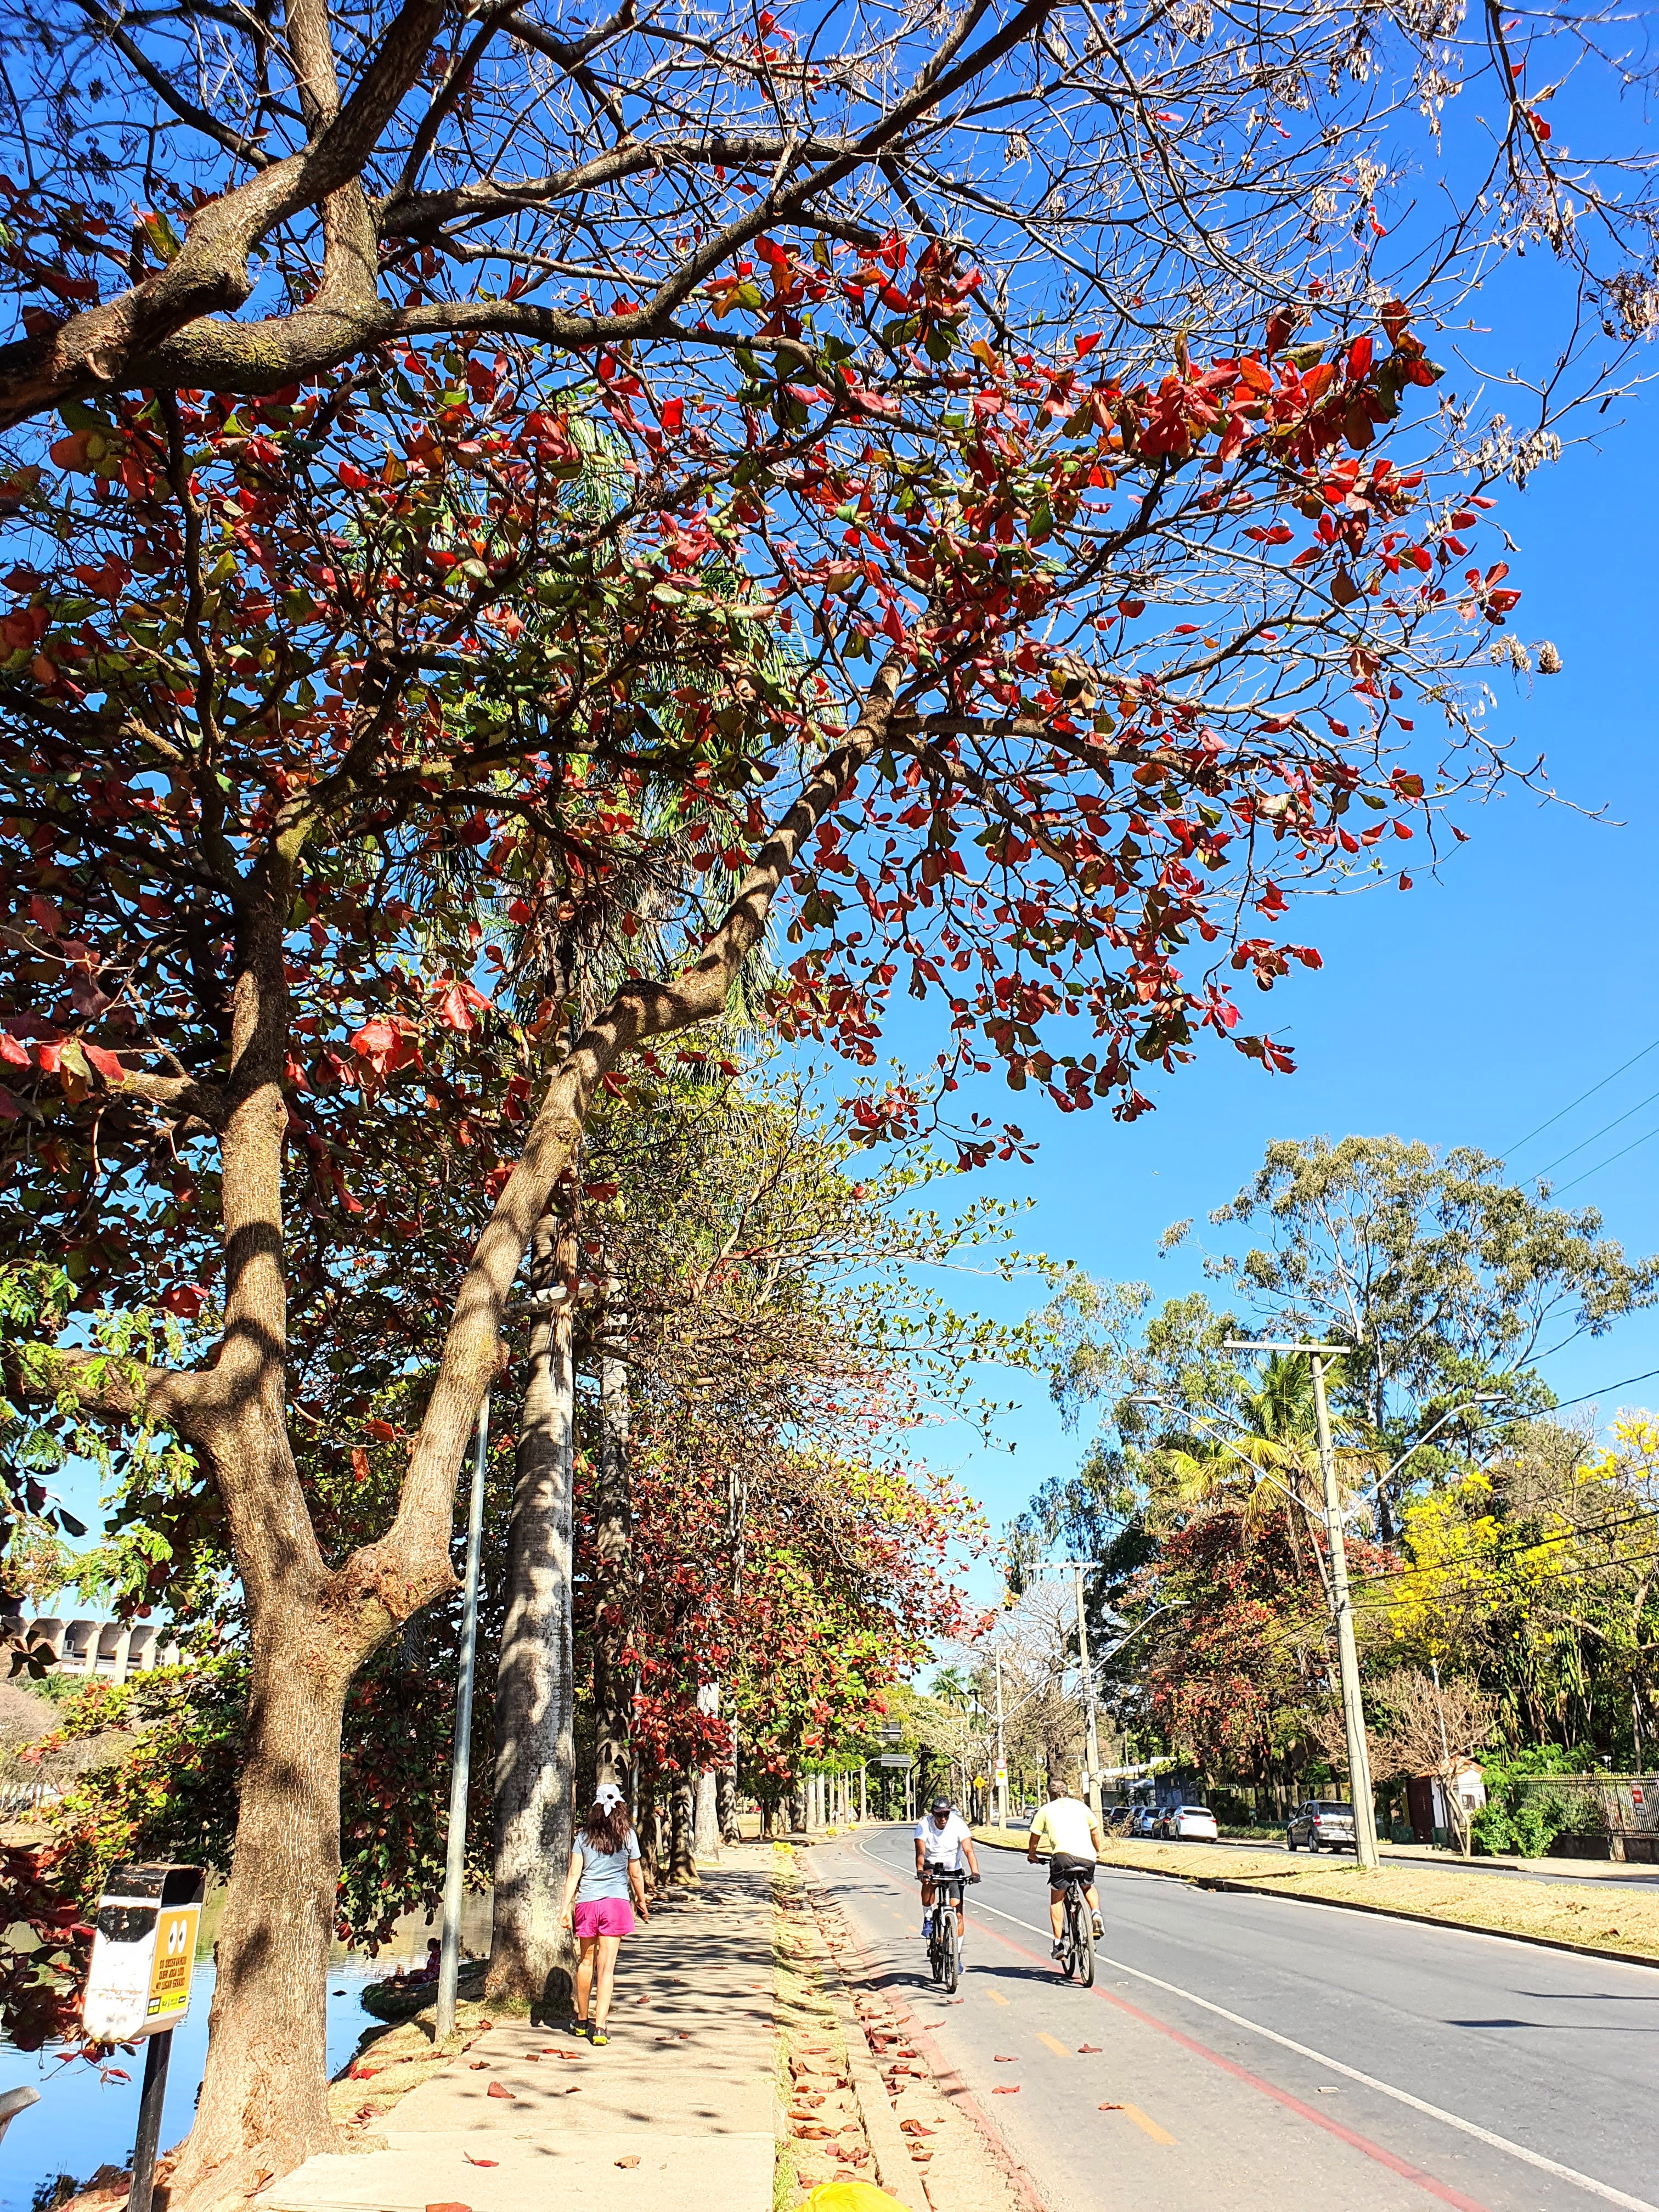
629, 2160
499, 2089
471, 2160
1111, 2108
1093, 2049
449, 2208
1006, 2058
1007, 2089
478, 2066
915, 2128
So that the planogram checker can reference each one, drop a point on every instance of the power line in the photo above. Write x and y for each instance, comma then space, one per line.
1578, 1100
1584, 1141
1608, 1162
1542, 1412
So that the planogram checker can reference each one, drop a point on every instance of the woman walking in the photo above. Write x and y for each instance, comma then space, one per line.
603, 1868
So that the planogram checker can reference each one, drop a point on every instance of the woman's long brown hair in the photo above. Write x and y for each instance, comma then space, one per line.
606, 1830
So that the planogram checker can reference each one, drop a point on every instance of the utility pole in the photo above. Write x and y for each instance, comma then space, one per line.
1076, 1567
1088, 1690
1347, 1657
1002, 1757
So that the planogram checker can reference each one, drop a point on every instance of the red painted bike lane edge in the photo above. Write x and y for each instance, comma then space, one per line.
1395, 2165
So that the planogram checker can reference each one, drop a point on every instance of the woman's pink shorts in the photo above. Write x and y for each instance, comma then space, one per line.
604, 1915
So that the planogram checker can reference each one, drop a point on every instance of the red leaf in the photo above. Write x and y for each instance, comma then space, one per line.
107, 1064
10, 1050
496, 2089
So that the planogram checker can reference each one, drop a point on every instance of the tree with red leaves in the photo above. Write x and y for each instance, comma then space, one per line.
314, 698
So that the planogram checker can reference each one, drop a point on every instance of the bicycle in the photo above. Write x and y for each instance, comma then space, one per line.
944, 1943
1077, 1937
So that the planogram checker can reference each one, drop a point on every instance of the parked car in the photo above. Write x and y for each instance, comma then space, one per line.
1189, 1823
1144, 1821
1322, 1825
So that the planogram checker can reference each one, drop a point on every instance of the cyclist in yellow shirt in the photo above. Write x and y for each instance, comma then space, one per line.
1067, 1833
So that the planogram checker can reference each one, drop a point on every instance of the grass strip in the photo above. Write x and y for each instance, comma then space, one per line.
1622, 1923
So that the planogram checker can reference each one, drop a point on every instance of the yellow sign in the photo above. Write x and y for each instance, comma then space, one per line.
171, 1964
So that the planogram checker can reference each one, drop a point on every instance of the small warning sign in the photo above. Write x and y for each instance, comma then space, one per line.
171, 1966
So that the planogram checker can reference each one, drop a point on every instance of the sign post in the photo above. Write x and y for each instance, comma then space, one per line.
143, 1953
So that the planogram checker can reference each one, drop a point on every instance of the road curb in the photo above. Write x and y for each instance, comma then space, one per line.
945, 2079
895, 2167
1354, 1905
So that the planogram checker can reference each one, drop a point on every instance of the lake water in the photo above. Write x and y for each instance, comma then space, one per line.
82, 2122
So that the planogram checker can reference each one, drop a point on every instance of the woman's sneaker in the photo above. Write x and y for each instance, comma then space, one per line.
575, 2026
598, 2037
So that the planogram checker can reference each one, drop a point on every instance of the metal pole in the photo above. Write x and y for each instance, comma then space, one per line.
449, 1958
1089, 1693
1353, 1707
1002, 1756
157, 2051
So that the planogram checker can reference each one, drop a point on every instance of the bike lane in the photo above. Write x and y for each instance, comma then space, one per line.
1121, 2089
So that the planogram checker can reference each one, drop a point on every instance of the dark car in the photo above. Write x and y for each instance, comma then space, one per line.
1322, 1825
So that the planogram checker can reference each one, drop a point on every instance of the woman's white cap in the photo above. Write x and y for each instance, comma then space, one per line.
608, 1794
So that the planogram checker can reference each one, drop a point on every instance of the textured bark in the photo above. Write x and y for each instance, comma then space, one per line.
613, 1562
706, 1828
531, 1958
726, 1801
682, 1860
264, 2095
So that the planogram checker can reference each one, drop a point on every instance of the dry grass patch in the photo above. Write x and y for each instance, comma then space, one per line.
1599, 1917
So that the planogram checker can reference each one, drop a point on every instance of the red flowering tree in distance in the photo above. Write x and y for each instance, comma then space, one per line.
1009, 649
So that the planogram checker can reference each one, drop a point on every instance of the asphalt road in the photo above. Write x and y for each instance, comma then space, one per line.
1433, 2064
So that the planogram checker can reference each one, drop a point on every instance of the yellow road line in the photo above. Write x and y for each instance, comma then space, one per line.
996, 1996
1059, 2049
1147, 2127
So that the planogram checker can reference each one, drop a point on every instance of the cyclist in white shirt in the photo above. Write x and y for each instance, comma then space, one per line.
943, 1840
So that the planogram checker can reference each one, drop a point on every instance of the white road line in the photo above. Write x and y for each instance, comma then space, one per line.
1603, 2189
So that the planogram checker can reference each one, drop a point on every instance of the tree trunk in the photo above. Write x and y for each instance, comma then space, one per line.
531, 1958
682, 1863
265, 2093
726, 1797
613, 1547
706, 1827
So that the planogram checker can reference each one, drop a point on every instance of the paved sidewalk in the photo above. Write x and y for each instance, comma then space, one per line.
677, 2110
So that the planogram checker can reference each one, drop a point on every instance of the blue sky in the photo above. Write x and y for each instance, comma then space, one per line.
1464, 1012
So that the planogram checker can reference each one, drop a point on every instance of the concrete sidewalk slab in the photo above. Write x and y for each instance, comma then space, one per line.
684, 2087
637, 2169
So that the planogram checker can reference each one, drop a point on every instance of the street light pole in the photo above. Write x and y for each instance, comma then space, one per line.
1347, 1656
449, 1956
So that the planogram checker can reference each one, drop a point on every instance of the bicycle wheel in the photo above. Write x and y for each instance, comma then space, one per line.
1085, 1947
950, 1953
1068, 1941
935, 1948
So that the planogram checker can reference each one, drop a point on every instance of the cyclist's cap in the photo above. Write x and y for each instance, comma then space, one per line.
939, 1805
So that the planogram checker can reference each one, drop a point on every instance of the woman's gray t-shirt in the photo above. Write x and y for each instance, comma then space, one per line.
604, 1873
